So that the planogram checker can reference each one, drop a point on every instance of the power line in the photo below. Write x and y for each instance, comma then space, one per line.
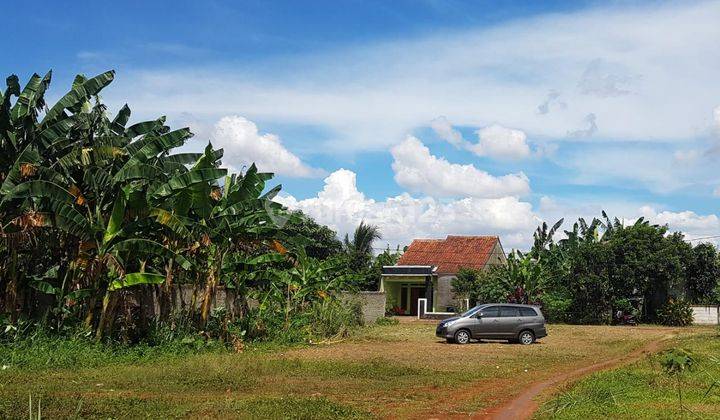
703, 237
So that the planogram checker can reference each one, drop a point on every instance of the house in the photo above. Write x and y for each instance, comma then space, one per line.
428, 267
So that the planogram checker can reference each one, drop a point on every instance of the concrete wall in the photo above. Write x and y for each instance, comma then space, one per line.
497, 256
706, 315
184, 297
372, 305
445, 293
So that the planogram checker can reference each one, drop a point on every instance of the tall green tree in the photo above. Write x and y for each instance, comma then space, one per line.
703, 275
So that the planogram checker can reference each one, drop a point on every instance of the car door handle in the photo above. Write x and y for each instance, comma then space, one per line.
496, 320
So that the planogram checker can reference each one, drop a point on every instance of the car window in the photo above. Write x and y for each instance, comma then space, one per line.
527, 312
508, 311
470, 312
491, 312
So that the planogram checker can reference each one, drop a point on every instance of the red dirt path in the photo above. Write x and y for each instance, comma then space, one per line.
525, 404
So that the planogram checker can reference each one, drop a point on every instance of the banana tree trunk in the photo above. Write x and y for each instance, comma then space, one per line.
107, 316
210, 286
11, 291
90, 316
166, 304
208, 297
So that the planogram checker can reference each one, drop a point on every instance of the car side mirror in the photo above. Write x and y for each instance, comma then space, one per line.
480, 315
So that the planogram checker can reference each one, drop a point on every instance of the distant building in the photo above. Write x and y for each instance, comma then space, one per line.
428, 266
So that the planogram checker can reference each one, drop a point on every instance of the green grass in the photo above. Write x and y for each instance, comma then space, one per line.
41, 353
294, 408
642, 390
398, 370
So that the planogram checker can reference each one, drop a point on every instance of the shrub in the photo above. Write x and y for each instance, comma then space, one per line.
483, 286
555, 307
316, 320
676, 313
332, 318
391, 305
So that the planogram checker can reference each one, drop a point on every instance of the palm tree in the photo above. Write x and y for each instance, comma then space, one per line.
363, 238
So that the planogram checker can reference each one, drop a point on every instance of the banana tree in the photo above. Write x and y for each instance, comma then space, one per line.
87, 176
525, 276
307, 281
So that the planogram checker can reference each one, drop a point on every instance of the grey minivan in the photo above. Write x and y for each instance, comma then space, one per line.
503, 321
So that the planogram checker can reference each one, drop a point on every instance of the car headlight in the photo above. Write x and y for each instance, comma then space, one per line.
450, 323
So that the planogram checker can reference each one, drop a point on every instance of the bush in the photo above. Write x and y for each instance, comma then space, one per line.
483, 286
331, 317
391, 306
676, 313
555, 307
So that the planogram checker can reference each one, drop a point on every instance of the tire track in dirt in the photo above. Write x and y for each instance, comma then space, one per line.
525, 405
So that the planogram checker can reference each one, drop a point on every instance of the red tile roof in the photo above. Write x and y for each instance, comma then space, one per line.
450, 254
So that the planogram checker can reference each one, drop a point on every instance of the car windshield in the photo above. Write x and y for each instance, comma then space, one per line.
470, 312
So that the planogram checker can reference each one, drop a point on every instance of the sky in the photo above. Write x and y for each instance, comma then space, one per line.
424, 117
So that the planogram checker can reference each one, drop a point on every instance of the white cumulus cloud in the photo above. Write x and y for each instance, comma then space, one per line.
402, 218
445, 131
500, 142
244, 145
693, 225
419, 171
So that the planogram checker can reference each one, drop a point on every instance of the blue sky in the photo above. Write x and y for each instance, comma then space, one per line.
425, 117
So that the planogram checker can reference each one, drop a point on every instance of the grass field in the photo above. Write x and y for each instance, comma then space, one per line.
397, 370
641, 390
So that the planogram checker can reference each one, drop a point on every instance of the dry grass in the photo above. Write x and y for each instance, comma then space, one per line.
399, 370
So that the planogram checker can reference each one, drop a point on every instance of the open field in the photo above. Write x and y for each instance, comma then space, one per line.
399, 371
641, 390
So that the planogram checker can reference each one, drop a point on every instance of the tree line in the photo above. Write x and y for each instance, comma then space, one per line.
602, 267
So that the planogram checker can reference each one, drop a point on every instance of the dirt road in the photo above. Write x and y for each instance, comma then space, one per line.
525, 404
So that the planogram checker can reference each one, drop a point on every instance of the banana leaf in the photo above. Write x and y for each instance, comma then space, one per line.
170, 220
193, 177
28, 156
69, 220
145, 127
118, 123
39, 189
134, 279
150, 248
138, 171
56, 131
78, 94
116, 217
31, 98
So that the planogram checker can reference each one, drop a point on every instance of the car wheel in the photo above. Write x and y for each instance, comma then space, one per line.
462, 337
526, 337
